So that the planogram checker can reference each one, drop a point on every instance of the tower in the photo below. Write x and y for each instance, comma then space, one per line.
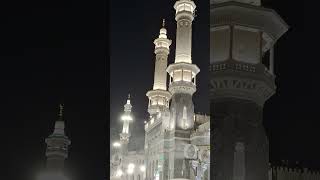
242, 36
182, 86
125, 134
182, 72
159, 111
57, 145
159, 96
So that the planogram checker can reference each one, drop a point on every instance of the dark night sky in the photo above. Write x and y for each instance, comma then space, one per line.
53, 52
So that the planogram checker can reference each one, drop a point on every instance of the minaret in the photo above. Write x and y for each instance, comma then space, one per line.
183, 73
158, 109
159, 96
242, 36
125, 134
57, 145
182, 86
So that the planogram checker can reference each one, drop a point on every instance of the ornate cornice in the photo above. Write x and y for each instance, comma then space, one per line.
182, 87
266, 20
241, 81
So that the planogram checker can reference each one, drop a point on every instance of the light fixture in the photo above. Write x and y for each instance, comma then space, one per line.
119, 173
142, 168
116, 144
126, 118
130, 168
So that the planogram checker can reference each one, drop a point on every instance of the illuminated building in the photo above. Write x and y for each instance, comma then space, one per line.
177, 141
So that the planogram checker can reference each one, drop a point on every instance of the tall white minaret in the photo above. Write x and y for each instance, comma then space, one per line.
57, 145
183, 73
158, 108
159, 96
125, 134
182, 86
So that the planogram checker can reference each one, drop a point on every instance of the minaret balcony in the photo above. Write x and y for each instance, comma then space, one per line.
255, 71
60, 152
162, 43
233, 79
159, 93
183, 73
184, 7
57, 140
183, 87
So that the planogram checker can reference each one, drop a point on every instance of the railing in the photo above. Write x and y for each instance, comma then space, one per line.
234, 66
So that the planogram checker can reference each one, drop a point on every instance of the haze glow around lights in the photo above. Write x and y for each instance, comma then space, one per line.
52, 176
126, 118
116, 144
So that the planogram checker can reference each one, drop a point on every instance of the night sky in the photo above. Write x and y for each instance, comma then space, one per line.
53, 52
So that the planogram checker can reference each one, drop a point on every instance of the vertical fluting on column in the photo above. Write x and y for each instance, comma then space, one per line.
184, 16
239, 162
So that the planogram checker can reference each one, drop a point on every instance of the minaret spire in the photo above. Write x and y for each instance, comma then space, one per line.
60, 112
163, 23
57, 144
159, 96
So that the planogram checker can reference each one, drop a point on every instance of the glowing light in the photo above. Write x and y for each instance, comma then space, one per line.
142, 168
116, 144
130, 168
119, 173
130, 171
126, 118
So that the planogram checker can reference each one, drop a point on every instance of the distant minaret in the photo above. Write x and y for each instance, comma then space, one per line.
57, 145
159, 96
126, 118
182, 86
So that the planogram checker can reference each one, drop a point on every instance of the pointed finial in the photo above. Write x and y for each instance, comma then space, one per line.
163, 22
60, 112
129, 96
